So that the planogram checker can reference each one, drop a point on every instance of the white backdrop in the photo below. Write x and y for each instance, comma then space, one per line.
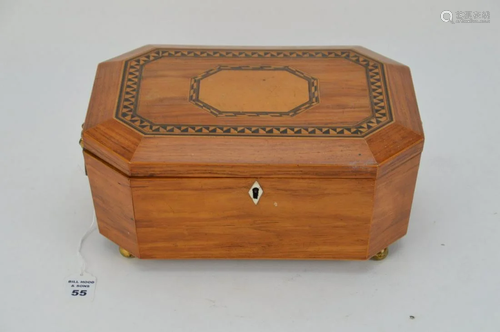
445, 272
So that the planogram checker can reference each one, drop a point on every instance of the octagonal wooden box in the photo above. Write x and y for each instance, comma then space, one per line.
267, 153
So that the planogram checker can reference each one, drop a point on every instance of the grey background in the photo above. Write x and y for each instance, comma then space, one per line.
445, 272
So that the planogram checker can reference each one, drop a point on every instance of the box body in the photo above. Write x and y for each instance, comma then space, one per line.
311, 218
175, 138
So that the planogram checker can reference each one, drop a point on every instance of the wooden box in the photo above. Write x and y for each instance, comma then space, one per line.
261, 153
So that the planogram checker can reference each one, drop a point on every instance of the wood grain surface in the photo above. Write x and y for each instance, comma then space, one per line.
215, 218
114, 208
392, 205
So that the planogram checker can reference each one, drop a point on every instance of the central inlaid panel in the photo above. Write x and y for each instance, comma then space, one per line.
254, 91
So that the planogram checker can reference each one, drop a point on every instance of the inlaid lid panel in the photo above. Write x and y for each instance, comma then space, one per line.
145, 104
330, 93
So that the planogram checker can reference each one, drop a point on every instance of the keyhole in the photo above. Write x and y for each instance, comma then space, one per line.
255, 193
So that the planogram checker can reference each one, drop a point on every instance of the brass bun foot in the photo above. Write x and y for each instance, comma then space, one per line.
382, 254
125, 253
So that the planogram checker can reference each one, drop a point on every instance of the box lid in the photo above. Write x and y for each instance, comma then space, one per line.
177, 111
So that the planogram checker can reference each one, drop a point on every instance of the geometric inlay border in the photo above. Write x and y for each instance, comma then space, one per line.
313, 92
126, 110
